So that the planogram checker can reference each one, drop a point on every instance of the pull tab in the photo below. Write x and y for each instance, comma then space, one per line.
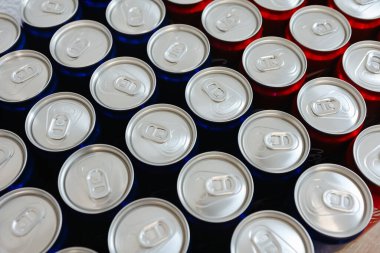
229, 21
155, 132
27, 221
135, 17
175, 52
98, 185
326, 106
268, 63
264, 240
324, 27
154, 234
53, 7
58, 127
25, 73
339, 201
128, 85
373, 62
281, 141
223, 185
372, 161
215, 91
365, 2
77, 47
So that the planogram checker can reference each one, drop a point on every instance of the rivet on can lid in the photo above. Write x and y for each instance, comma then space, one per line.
76, 250
279, 5
10, 32
360, 9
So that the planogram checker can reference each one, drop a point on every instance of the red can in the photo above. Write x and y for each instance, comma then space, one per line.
323, 34
363, 15
186, 11
277, 70
231, 26
277, 13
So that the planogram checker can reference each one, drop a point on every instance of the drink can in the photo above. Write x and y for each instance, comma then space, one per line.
219, 97
186, 11
270, 231
328, 194
277, 13
322, 33
12, 36
133, 22
231, 25
277, 70
76, 250
32, 221
149, 223
363, 15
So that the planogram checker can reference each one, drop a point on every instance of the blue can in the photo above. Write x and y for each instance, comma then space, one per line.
95, 9
12, 36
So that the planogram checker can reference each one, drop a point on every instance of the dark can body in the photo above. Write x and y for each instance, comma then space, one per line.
189, 12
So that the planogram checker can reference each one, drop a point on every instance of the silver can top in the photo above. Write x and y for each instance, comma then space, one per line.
161, 134
274, 62
10, 31
13, 158
361, 62
80, 43
30, 219
178, 48
184, 2
360, 9
328, 194
271, 231
24, 75
231, 20
149, 225
320, 28
47, 13
76, 250
274, 141
219, 94
60, 121
366, 153
215, 187
331, 106
135, 17
123, 83
95, 179
279, 5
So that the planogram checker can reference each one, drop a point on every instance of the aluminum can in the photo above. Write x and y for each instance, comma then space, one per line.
270, 231
12, 36
231, 25
277, 70
322, 33
186, 11
328, 194
149, 223
76, 250
277, 13
32, 221
363, 15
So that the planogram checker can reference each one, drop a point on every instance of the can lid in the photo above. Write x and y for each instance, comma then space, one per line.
178, 48
219, 94
76, 250
320, 28
95, 179
149, 224
10, 32
271, 230
135, 17
47, 13
331, 106
360, 9
60, 121
184, 2
215, 187
80, 44
13, 158
161, 134
31, 221
361, 62
24, 74
279, 5
366, 153
123, 83
274, 62
231, 20
328, 194
274, 141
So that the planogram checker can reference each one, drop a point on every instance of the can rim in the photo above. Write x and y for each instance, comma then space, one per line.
258, 2
112, 62
216, 155
16, 24
187, 3
143, 202
220, 70
361, 18
76, 250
